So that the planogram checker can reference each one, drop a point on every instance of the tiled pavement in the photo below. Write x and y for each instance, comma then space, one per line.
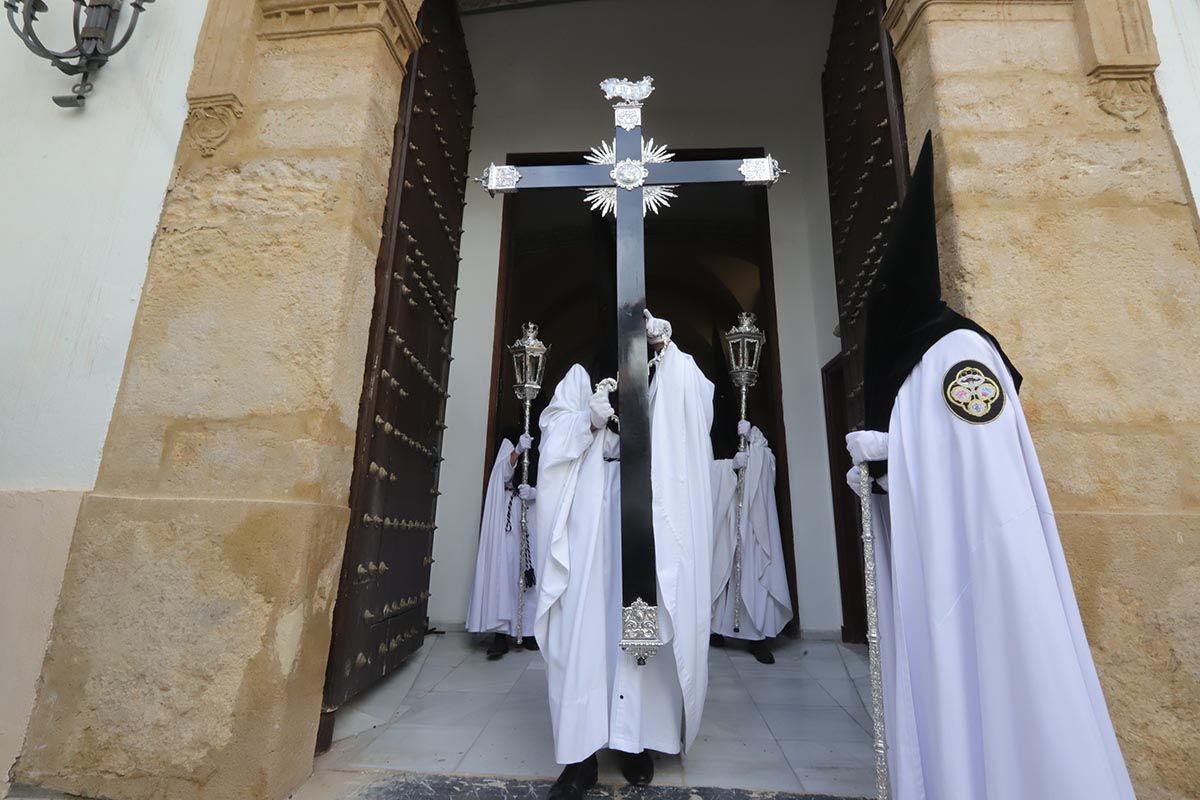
798, 726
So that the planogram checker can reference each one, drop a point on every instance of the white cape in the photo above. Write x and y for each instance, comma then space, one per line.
494, 593
598, 696
766, 601
989, 685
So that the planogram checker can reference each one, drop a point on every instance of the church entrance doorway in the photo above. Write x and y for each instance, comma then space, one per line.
808, 83
708, 258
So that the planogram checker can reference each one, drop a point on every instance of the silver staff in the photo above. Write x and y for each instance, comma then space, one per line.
743, 347
529, 365
882, 786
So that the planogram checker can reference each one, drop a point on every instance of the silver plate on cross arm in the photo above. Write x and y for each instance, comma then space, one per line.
761, 171
501, 178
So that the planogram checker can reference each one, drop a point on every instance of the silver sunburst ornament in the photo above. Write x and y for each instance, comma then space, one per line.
604, 198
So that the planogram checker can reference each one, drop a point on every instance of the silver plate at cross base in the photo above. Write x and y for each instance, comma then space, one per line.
639, 631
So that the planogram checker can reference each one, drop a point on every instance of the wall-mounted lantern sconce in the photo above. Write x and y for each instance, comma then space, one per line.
95, 27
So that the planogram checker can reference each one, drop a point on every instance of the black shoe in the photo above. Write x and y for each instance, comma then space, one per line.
575, 780
531, 643
638, 768
499, 647
761, 651
716, 640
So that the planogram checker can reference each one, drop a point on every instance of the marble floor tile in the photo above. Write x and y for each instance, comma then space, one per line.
823, 755
531, 682
733, 721
843, 690
770, 690
428, 749
328, 784
482, 676
839, 781
797, 725
450, 709
525, 751
522, 711
813, 724
455, 647
727, 687
351, 722
756, 764
430, 675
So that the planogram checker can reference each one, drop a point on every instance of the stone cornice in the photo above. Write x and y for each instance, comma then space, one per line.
289, 19
902, 15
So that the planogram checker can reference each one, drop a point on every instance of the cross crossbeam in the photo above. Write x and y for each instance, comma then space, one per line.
639, 178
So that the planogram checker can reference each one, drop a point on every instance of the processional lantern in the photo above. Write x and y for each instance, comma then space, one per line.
743, 348
529, 367
529, 363
94, 25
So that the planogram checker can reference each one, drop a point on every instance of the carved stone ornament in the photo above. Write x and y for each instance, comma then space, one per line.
639, 631
501, 178
628, 91
628, 116
210, 121
761, 171
1127, 100
629, 174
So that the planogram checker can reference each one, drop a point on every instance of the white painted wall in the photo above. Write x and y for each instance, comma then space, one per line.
80, 196
80, 200
1177, 29
722, 80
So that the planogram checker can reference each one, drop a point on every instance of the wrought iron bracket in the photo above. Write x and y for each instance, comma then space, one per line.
94, 24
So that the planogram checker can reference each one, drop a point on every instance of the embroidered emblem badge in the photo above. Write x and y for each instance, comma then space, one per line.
972, 392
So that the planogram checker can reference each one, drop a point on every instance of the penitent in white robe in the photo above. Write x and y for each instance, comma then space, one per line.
493, 607
989, 686
766, 601
598, 696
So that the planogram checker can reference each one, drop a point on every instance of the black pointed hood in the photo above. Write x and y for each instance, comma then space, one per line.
905, 313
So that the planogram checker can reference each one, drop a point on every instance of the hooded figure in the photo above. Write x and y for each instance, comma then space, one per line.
990, 692
759, 605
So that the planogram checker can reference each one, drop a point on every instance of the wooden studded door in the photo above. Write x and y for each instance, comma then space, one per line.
380, 616
867, 158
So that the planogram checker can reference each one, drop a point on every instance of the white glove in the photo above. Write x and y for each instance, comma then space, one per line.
867, 446
740, 460
853, 480
657, 330
601, 410
855, 475
744, 428
524, 443
527, 492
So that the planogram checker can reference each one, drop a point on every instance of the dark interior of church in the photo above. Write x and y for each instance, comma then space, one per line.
706, 261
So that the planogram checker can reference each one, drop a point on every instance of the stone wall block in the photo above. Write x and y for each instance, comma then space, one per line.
1046, 164
1137, 579
177, 654
973, 45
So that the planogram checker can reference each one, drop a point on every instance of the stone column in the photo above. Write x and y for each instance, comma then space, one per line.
1067, 230
189, 645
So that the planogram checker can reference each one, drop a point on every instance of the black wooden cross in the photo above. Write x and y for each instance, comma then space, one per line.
628, 172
